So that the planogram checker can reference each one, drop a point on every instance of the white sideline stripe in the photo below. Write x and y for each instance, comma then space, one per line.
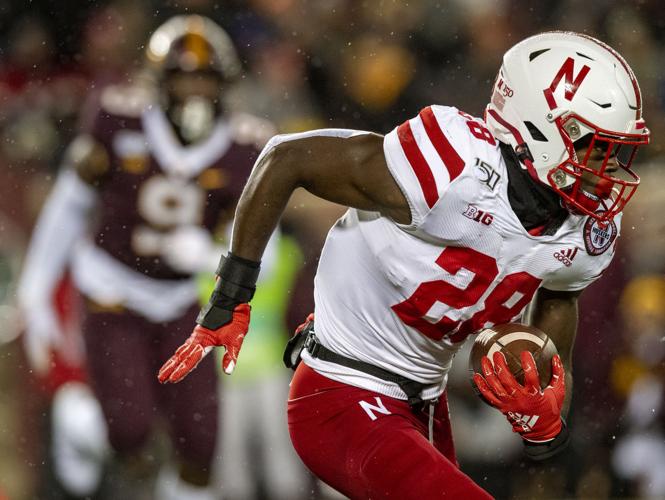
511, 337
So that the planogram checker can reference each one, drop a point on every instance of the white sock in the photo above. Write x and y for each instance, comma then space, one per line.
170, 487
188, 491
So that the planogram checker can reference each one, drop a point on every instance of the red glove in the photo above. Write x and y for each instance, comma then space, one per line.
534, 413
302, 326
201, 342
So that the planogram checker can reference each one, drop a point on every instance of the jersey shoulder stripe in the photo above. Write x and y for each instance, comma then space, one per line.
449, 156
427, 150
426, 154
418, 163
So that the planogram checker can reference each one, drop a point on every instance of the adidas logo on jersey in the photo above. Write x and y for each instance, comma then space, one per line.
526, 422
566, 256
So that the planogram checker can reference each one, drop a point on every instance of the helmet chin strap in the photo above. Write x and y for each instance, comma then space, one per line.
522, 149
586, 200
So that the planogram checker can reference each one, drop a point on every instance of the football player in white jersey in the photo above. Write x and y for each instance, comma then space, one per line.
455, 224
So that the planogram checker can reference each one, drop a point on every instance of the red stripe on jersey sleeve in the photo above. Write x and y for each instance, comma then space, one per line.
418, 163
449, 156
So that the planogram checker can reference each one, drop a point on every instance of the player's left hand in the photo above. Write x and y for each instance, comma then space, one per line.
533, 412
302, 326
43, 335
230, 335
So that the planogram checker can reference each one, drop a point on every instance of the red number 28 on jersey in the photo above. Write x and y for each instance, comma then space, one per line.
500, 306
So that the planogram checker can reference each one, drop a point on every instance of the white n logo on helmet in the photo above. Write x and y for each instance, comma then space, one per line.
572, 83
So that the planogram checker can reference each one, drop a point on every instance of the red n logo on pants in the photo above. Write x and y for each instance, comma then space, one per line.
500, 306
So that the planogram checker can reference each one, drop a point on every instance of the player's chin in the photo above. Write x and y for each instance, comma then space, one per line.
584, 199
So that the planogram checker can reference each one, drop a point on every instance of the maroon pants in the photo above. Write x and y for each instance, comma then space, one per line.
125, 351
367, 445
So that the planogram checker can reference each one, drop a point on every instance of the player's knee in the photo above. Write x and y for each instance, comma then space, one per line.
409, 467
422, 480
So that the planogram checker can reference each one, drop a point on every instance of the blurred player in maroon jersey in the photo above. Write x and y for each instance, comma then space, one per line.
142, 192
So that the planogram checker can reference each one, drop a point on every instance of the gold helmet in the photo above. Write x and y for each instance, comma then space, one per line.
192, 43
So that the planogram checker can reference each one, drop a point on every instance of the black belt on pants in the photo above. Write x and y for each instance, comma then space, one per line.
317, 350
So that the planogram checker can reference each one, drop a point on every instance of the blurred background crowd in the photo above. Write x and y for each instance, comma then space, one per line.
369, 65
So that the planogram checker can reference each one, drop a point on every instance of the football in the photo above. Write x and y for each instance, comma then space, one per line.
511, 339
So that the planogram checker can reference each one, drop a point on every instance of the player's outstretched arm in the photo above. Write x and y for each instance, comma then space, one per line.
64, 218
343, 166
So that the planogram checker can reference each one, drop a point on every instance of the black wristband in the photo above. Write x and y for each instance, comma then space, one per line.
236, 285
543, 451
238, 270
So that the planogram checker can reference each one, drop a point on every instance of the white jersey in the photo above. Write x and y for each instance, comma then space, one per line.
404, 297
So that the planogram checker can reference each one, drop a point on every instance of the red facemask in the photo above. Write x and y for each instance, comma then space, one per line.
607, 187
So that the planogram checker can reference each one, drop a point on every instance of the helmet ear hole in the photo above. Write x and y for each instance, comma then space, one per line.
536, 134
536, 53
583, 142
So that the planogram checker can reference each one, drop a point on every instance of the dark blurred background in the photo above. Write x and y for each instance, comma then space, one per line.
363, 65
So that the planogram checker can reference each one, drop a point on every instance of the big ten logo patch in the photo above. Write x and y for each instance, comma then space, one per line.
598, 236
474, 213
486, 174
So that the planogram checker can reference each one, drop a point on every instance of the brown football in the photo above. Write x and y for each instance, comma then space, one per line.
511, 339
